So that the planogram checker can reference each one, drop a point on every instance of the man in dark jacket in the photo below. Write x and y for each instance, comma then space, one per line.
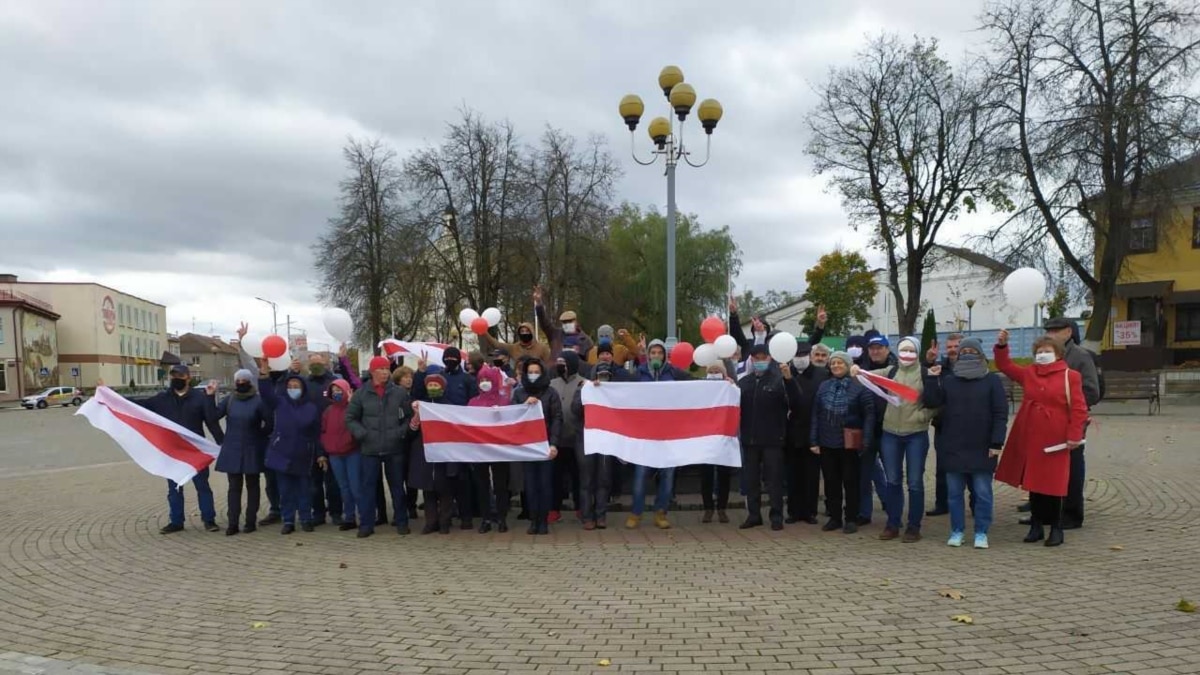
878, 356
378, 417
568, 334
566, 383
456, 477
803, 467
1081, 361
769, 395
326, 497
187, 407
940, 505
656, 369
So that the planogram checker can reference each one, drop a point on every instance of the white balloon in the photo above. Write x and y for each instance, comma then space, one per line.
467, 316
252, 343
338, 323
492, 315
725, 346
782, 347
280, 363
705, 356
1024, 288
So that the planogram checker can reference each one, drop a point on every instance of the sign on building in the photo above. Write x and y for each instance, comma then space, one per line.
299, 344
1127, 333
74, 372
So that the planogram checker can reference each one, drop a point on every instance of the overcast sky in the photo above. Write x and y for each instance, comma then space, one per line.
189, 153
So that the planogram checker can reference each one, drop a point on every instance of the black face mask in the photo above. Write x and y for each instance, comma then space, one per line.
451, 365
562, 371
179, 385
498, 363
526, 338
243, 387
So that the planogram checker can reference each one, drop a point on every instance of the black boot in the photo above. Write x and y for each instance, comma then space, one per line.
485, 526
533, 524
502, 526
1036, 533
1055, 538
751, 521
543, 525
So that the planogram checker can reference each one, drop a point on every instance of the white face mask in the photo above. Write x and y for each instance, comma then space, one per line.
569, 327
801, 362
533, 377
908, 358
854, 352
1045, 358
715, 376
485, 386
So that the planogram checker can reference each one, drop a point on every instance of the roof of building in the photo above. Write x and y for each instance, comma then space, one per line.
192, 343
19, 282
976, 258
28, 303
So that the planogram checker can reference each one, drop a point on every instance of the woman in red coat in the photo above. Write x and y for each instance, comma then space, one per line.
1053, 415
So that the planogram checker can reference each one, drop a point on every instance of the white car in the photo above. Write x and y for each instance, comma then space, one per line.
63, 396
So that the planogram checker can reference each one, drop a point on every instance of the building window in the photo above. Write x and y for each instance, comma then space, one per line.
3, 377
1143, 235
1196, 227
121, 314
1187, 322
1, 335
122, 345
124, 373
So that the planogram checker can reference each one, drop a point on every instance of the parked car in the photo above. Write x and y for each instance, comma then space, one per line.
63, 396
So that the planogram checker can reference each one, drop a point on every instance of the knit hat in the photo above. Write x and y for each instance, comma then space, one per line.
971, 343
379, 363
856, 341
916, 343
604, 334
803, 348
243, 375
843, 356
452, 353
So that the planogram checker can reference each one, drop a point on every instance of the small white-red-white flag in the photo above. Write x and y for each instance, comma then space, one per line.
158, 445
511, 433
663, 424
395, 349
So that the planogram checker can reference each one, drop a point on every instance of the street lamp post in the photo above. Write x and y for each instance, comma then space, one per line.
274, 314
970, 315
682, 97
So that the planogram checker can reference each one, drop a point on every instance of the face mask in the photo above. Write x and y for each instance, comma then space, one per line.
434, 392
338, 395
761, 366
295, 394
526, 338
656, 363
243, 387
316, 370
179, 385
854, 352
714, 376
801, 362
1044, 358
498, 363
569, 327
908, 358
562, 371
534, 377
451, 366
485, 386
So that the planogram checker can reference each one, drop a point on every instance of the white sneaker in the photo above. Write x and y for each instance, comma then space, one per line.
955, 540
981, 540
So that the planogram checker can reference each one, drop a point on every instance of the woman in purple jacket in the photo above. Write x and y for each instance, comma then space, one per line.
293, 447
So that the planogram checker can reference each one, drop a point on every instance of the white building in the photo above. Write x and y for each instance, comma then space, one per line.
787, 318
957, 279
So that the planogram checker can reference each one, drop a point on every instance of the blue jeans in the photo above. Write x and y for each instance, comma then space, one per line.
981, 486
870, 471
539, 488
348, 471
208, 512
295, 496
899, 451
666, 483
394, 468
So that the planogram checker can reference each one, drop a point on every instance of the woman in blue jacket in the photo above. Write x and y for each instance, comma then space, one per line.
842, 409
242, 451
292, 448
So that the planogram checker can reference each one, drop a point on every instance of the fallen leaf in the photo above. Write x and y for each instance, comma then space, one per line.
299, 544
1116, 547
259, 624
342, 566
963, 618
553, 634
1186, 606
604, 662
951, 593
440, 591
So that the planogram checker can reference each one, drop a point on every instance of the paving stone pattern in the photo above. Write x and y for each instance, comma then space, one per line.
87, 585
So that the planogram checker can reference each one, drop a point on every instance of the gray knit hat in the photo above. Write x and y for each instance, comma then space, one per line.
244, 374
843, 356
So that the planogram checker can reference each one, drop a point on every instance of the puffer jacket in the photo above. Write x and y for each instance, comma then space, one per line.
380, 424
906, 418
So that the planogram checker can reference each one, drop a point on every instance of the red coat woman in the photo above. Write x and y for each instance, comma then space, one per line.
1053, 412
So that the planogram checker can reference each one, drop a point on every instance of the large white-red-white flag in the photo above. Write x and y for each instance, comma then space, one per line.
158, 445
663, 424
511, 433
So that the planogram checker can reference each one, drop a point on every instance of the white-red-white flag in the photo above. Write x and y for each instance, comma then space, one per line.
511, 433
395, 349
158, 445
663, 424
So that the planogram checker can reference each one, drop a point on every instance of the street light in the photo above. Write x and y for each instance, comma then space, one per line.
682, 97
970, 322
274, 314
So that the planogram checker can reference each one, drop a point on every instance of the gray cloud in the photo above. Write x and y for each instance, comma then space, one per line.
192, 151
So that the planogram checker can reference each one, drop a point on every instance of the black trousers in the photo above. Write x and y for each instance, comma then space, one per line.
566, 479
764, 464
326, 496
841, 470
253, 495
715, 478
1072, 514
803, 469
1045, 510
492, 480
381, 517
272, 492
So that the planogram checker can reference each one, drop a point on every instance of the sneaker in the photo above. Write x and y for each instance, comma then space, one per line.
211, 526
831, 526
602, 523
231, 530
889, 533
347, 526
249, 528
589, 525
271, 519
849, 528
288, 529
750, 522
403, 530
660, 520
632, 522
363, 534
981, 540
555, 516
722, 517
171, 529
707, 517
955, 540
911, 536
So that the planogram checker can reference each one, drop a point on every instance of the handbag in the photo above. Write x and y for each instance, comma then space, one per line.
852, 439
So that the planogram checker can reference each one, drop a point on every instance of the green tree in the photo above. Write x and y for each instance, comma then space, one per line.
704, 259
928, 332
1057, 305
842, 283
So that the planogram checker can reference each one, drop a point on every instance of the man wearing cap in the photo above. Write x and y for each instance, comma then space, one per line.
1061, 330
768, 396
187, 407
568, 335
623, 349
878, 356
378, 417
809, 368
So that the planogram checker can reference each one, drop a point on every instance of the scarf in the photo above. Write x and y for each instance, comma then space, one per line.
970, 367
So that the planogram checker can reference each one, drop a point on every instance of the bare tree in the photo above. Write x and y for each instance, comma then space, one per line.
367, 259
905, 142
1096, 102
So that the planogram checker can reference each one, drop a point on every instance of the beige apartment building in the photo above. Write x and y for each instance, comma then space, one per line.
99, 332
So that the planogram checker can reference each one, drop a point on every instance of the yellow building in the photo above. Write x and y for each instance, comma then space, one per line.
1159, 285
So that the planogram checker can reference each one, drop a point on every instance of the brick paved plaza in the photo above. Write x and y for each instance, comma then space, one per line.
87, 585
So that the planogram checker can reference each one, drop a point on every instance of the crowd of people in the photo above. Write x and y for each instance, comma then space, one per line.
333, 448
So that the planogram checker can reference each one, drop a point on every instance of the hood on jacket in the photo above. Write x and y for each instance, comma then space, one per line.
571, 358
657, 343
494, 397
344, 386
303, 387
529, 327
543, 382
